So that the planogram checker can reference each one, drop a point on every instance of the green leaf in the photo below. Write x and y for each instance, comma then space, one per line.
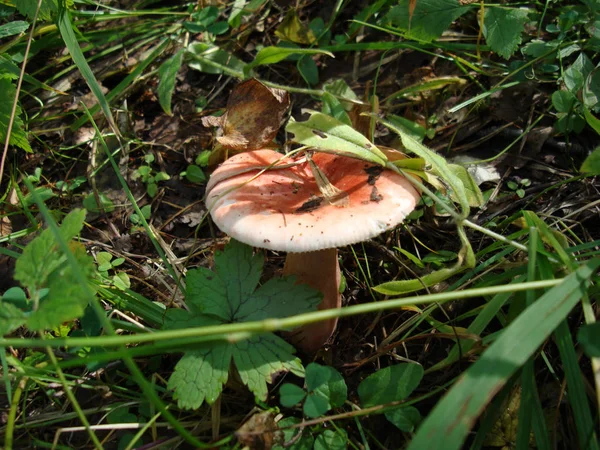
260, 358
12, 28
481, 381
91, 204
390, 384
29, 7
11, 317
308, 70
328, 383
200, 375
575, 75
290, 395
66, 299
592, 162
329, 135
194, 174
334, 108
167, 76
305, 442
439, 166
41, 256
472, 191
122, 281
211, 59
272, 55
405, 419
277, 298
591, 90
332, 440
429, 20
503, 27
18, 137
315, 405
228, 295
589, 338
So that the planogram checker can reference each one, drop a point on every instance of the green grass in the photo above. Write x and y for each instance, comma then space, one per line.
485, 298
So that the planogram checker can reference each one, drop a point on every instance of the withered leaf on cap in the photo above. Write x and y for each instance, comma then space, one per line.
253, 117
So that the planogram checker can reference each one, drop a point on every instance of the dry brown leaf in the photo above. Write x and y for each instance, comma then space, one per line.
259, 432
253, 117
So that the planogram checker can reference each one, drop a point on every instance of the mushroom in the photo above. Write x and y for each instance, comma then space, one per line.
270, 201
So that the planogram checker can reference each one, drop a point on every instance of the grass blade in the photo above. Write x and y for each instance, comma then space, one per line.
503, 358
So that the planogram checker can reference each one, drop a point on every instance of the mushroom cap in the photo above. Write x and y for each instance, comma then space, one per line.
283, 208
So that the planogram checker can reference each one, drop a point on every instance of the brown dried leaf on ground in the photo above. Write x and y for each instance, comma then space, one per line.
259, 432
253, 117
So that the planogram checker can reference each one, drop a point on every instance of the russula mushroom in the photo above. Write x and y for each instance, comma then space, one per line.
282, 208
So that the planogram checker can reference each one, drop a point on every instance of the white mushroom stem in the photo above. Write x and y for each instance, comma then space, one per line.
321, 271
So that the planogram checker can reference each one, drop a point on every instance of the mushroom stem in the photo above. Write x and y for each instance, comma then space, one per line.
321, 271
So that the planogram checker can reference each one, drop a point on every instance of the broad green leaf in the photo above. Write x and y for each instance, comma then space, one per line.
291, 29
18, 137
29, 7
206, 293
91, 203
405, 419
575, 75
390, 384
66, 299
340, 89
167, 76
563, 101
315, 405
260, 358
592, 162
305, 442
11, 317
290, 395
429, 20
589, 337
592, 120
325, 383
272, 55
41, 256
195, 174
332, 440
211, 59
503, 27
329, 135
200, 375
481, 381
12, 28
591, 90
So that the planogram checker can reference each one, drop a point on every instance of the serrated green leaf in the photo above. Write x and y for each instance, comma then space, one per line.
167, 76
278, 298
429, 20
272, 55
332, 440
66, 299
329, 135
12, 28
260, 358
18, 136
29, 7
200, 375
290, 395
405, 419
390, 384
206, 293
503, 27
41, 257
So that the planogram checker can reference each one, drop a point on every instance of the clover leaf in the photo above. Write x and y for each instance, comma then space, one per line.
229, 294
